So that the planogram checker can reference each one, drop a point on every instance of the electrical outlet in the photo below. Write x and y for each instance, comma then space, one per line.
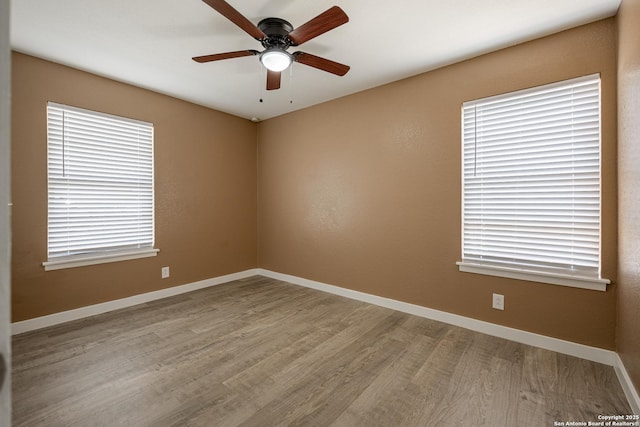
165, 272
498, 302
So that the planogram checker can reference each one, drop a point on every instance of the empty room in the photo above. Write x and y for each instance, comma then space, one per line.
329, 213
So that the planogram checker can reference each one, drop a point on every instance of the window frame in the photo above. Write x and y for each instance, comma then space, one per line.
98, 255
523, 271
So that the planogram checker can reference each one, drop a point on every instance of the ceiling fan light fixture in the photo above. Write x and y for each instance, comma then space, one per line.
275, 59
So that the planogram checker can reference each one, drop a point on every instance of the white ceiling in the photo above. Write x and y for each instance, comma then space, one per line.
149, 43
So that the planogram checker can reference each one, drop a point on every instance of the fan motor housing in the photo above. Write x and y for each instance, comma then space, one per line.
277, 31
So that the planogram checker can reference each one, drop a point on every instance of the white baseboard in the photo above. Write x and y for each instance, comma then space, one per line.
82, 312
627, 385
599, 355
595, 354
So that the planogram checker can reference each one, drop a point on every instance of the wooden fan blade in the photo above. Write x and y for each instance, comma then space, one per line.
273, 80
327, 20
226, 55
226, 10
321, 63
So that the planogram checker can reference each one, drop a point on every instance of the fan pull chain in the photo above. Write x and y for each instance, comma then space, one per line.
291, 83
261, 82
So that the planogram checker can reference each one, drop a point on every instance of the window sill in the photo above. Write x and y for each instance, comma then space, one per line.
84, 260
536, 276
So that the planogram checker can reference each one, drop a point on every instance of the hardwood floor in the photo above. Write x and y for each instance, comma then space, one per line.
259, 352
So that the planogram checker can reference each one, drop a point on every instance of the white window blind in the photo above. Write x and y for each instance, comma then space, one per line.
531, 180
100, 183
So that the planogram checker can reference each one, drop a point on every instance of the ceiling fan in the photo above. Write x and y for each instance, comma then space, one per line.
276, 36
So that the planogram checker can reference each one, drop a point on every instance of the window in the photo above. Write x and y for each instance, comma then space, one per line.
531, 184
100, 188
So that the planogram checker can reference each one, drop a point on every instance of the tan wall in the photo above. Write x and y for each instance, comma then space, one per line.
628, 187
205, 189
364, 192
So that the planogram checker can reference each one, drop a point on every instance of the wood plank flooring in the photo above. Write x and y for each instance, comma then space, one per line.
260, 352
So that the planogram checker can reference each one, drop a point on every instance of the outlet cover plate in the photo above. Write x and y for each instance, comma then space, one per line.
165, 272
498, 301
